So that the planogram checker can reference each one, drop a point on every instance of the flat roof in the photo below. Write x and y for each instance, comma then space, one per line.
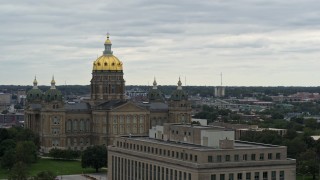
237, 144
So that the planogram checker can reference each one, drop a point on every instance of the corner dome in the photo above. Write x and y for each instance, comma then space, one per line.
179, 94
53, 94
34, 94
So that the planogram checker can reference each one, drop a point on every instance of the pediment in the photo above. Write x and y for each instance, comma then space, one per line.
129, 107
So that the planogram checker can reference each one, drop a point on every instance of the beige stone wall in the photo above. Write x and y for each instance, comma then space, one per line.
126, 149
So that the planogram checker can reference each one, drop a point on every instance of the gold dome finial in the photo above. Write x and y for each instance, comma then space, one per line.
53, 83
154, 84
108, 40
35, 83
179, 84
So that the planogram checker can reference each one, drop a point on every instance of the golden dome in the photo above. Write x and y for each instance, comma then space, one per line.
107, 41
107, 62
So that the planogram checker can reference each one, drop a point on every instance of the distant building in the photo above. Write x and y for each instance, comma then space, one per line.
11, 119
5, 100
181, 151
219, 91
242, 129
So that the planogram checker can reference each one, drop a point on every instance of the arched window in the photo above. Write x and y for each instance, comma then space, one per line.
75, 125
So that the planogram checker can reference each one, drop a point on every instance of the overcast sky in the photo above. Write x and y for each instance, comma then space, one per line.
252, 42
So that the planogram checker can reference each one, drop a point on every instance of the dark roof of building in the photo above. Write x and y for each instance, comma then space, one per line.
76, 106
110, 104
154, 106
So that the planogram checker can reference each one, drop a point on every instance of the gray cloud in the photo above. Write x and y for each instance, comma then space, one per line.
253, 42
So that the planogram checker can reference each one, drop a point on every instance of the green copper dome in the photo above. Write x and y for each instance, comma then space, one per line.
179, 94
154, 93
35, 94
52, 94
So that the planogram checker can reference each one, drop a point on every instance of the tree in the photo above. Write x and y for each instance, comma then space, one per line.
95, 157
18, 172
8, 159
307, 163
3, 134
26, 152
49, 175
7, 145
64, 154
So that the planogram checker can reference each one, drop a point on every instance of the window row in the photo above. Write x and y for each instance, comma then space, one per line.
158, 151
78, 126
236, 157
126, 169
127, 129
78, 142
274, 175
121, 119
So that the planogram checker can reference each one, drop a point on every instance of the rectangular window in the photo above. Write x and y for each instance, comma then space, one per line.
219, 159
265, 175
256, 176
160, 151
273, 175
172, 153
236, 157
245, 157
278, 156
222, 177
190, 157
227, 157
177, 154
195, 158
253, 157
181, 155
269, 155
281, 175
261, 157
239, 176
231, 176
248, 176
210, 159
213, 177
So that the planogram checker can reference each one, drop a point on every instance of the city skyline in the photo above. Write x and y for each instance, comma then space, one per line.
253, 43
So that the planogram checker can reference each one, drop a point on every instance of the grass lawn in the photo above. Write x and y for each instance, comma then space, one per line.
59, 167
304, 178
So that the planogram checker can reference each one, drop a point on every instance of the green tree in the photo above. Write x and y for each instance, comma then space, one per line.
8, 159
48, 175
4, 134
26, 152
95, 157
311, 123
6, 145
19, 172
307, 163
295, 147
